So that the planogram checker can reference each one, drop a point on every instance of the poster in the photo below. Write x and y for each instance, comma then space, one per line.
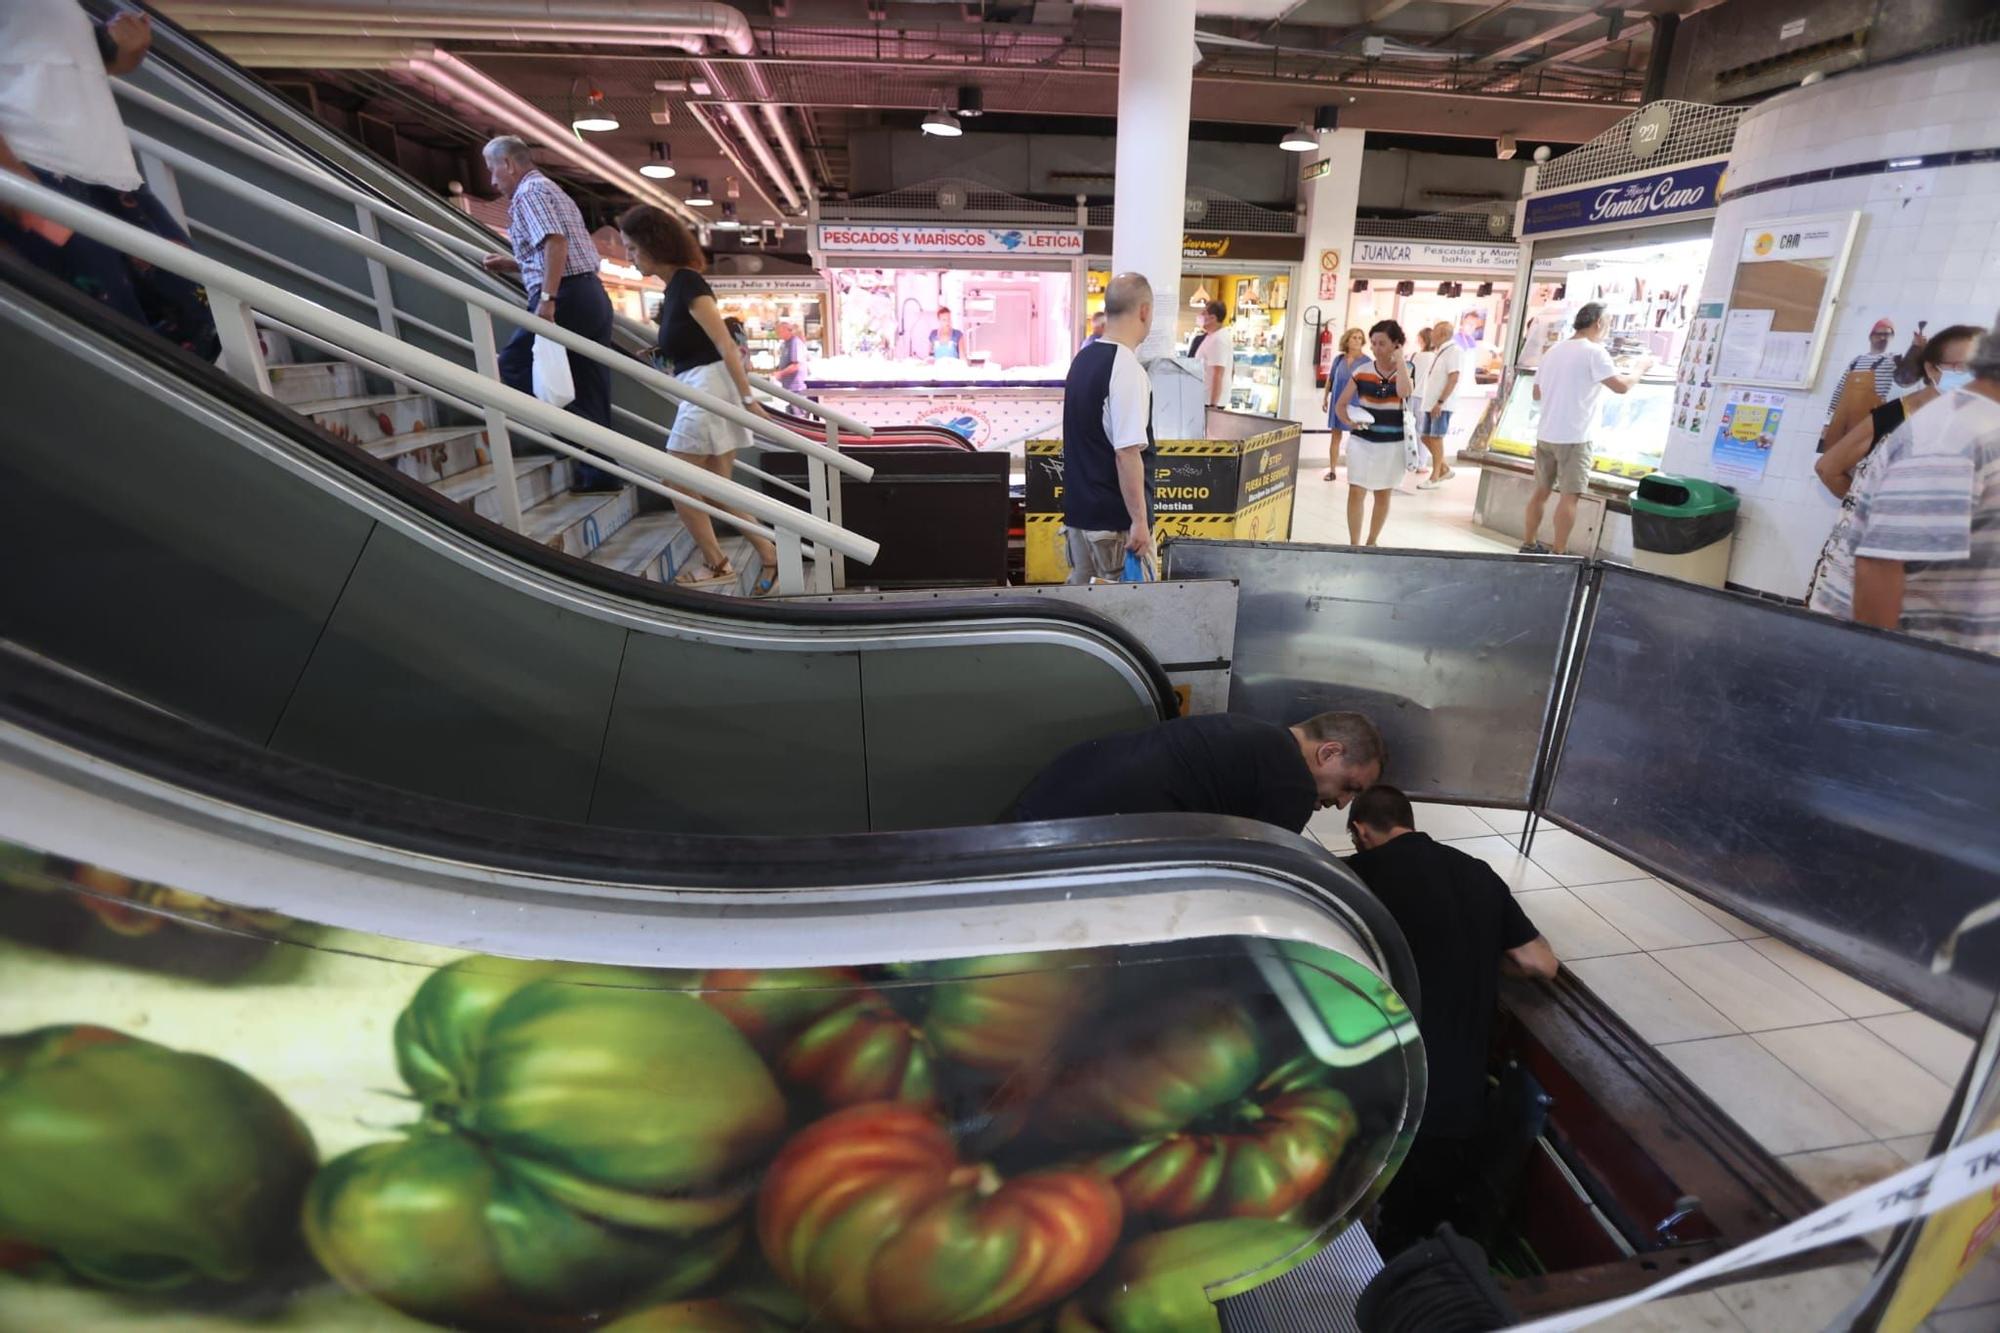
1781, 299
1694, 376
1745, 431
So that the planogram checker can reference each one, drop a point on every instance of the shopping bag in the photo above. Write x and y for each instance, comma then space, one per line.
553, 383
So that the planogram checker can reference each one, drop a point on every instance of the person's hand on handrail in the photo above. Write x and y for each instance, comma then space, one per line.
495, 262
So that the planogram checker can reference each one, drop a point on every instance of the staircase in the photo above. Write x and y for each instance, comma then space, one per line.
626, 530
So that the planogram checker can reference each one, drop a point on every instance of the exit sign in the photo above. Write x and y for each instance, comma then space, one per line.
1314, 170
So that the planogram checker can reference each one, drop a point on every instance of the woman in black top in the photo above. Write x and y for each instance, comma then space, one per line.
695, 344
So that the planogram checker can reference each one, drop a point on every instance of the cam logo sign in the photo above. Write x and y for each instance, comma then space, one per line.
1686, 189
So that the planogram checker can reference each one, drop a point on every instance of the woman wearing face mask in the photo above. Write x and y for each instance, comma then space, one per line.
1841, 468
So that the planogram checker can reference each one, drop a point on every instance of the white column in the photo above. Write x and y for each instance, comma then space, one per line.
1329, 201
1155, 80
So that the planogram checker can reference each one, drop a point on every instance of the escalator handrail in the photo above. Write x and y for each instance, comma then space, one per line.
763, 427
943, 437
384, 211
645, 336
140, 347
107, 727
428, 367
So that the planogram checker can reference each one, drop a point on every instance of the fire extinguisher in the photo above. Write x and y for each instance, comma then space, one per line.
1322, 346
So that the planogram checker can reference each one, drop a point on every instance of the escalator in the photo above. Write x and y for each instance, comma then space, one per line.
401, 1063
206, 549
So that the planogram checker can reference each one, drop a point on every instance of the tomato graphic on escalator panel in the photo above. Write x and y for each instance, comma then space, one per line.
142, 1167
871, 1214
589, 1137
1267, 1154
1161, 1069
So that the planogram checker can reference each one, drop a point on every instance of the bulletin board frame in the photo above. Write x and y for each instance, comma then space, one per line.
1776, 288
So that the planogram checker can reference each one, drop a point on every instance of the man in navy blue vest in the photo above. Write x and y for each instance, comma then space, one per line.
1108, 440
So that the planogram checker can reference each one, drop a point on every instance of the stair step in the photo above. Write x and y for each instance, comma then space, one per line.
639, 546
365, 418
463, 486
578, 523
394, 446
317, 381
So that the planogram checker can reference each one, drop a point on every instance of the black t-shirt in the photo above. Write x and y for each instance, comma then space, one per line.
1459, 919
1219, 764
684, 343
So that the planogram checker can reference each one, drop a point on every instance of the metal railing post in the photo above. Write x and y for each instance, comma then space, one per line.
822, 575
378, 273
499, 447
791, 563
242, 352
160, 177
838, 562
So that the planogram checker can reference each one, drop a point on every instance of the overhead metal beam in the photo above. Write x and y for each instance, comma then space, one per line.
1632, 28
1382, 9
1491, 11
1539, 38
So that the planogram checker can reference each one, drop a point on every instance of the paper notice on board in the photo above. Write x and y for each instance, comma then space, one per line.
1783, 360
1743, 334
1745, 431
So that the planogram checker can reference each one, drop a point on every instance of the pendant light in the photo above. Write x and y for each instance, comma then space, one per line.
728, 221
595, 116
698, 195
1299, 139
942, 124
661, 167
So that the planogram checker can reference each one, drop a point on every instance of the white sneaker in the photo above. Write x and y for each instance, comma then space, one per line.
1429, 484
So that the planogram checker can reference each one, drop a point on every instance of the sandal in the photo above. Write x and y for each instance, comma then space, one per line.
767, 581
1329, 475
688, 578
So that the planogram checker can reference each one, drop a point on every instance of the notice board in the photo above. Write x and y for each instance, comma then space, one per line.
1781, 299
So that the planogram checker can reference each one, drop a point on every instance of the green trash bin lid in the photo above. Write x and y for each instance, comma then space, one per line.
1681, 497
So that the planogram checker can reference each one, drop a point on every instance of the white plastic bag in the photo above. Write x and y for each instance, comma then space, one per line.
553, 382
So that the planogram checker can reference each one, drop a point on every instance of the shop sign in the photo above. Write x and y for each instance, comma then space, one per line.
1314, 170
743, 282
893, 239
1649, 130
1663, 194
1242, 245
1433, 256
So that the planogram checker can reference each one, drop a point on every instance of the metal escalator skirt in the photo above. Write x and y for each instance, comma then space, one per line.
1318, 1295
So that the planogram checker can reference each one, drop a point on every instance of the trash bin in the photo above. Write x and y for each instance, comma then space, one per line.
1684, 527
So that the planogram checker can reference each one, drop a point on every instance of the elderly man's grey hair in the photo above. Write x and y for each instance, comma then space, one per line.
1985, 359
511, 147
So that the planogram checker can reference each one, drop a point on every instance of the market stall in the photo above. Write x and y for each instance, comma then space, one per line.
761, 300
1254, 274
1420, 284
967, 327
1638, 243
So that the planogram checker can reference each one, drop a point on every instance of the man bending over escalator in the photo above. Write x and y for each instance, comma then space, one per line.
1215, 764
1464, 929
59, 125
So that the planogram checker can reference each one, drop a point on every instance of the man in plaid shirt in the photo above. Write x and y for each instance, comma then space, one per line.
557, 262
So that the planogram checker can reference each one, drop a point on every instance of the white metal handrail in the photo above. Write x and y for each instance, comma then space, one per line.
232, 293
510, 311
388, 212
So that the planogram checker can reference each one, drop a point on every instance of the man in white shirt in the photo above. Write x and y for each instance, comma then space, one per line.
1108, 440
59, 125
1569, 384
1440, 383
1216, 350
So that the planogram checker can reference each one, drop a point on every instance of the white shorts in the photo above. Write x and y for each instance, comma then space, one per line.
1374, 465
697, 430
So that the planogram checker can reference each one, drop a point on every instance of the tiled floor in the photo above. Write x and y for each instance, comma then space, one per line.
1837, 1080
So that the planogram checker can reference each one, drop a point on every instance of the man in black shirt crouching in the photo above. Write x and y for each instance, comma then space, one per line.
1464, 929
1216, 764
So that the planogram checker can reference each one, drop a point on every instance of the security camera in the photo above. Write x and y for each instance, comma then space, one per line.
1543, 154
1503, 147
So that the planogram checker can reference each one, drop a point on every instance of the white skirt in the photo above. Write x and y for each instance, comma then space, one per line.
1374, 465
696, 429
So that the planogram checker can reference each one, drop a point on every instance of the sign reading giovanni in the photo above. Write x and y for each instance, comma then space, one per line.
873, 239
1689, 188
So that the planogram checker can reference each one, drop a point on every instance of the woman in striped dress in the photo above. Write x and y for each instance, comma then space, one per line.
1370, 409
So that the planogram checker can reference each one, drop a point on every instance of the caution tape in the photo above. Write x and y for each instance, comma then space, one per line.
1917, 1191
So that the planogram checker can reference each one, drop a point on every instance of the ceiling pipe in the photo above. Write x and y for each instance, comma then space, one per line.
722, 141
200, 19
469, 85
753, 139
602, 22
284, 52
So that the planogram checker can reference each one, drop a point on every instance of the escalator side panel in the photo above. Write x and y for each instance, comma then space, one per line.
720, 740
940, 753
135, 579
432, 677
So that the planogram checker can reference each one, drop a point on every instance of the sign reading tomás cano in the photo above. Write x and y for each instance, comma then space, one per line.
1688, 188
846, 238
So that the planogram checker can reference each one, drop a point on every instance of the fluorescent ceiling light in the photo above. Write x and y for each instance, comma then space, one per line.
943, 124
1299, 139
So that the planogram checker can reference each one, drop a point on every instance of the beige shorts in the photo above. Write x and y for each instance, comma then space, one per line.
1563, 468
1094, 554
